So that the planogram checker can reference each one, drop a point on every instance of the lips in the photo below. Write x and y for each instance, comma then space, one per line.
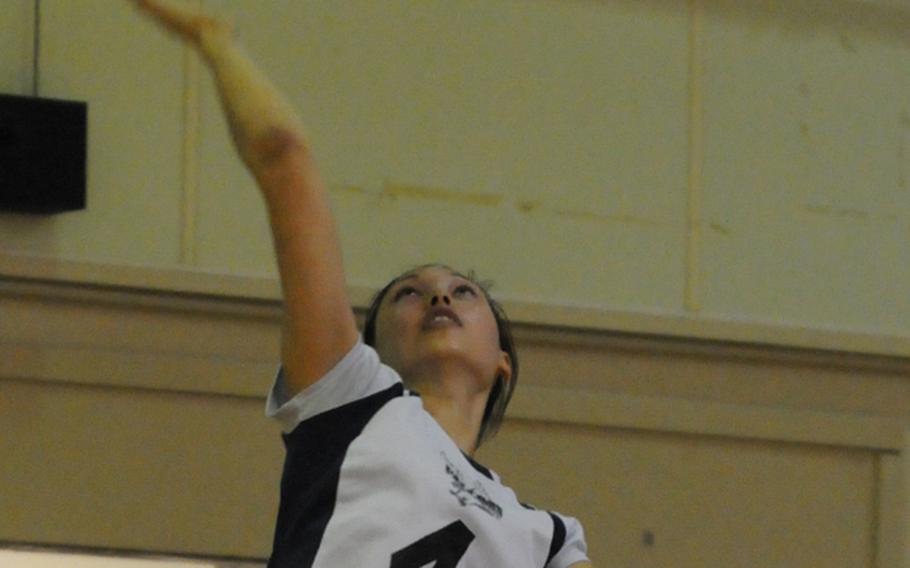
440, 316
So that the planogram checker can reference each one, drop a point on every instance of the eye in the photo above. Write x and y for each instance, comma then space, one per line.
465, 289
404, 291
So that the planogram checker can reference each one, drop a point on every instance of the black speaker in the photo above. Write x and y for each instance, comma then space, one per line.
42, 154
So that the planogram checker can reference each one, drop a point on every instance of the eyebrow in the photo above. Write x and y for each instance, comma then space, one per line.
413, 275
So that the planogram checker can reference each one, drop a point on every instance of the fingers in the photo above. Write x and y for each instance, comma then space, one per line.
177, 19
187, 22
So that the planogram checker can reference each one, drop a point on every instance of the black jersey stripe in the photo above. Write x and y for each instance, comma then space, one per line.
309, 482
559, 537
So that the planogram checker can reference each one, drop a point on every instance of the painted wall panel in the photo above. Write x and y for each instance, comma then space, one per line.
653, 500
122, 410
544, 144
98, 51
125, 469
807, 203
152, 471
540, 143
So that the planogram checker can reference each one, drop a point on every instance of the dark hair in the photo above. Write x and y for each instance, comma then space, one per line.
501, 393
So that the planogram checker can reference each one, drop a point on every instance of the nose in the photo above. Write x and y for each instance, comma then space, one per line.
437, 298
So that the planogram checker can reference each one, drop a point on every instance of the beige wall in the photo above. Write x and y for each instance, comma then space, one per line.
697, 211
133, 420
16, 46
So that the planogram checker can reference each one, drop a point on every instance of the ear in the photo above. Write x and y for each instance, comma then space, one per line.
504, 368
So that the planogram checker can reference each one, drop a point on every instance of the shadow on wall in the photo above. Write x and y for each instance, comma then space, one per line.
38, 231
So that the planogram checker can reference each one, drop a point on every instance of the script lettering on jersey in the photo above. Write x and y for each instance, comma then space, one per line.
466, 496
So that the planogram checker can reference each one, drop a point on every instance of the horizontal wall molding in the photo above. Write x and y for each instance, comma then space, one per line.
121, 335
184, 281
702, 418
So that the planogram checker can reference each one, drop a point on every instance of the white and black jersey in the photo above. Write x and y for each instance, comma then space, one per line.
371, 480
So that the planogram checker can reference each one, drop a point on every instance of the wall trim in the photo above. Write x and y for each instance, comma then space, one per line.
183, 281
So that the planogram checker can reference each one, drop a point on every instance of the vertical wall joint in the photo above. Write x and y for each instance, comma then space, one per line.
693, 292
190, 158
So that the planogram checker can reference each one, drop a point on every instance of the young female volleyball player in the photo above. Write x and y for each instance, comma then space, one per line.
375, 473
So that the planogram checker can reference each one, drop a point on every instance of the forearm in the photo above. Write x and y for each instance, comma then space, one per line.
270, 139
263, 123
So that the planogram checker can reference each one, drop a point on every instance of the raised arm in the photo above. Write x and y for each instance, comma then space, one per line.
319, 327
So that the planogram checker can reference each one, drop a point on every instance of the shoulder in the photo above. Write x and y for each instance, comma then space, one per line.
358, 376
568, 547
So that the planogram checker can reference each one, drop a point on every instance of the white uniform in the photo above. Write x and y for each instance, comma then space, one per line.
372, 480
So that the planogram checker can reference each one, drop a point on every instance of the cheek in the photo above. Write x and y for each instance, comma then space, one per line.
488, 334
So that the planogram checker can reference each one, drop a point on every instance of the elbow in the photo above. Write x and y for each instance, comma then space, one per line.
274, 147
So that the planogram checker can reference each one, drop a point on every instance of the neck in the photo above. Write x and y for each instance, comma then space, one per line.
456, 405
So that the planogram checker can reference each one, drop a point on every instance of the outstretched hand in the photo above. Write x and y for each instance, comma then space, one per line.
188, 23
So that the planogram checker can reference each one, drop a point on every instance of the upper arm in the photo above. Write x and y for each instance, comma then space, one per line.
319, 325
269, 138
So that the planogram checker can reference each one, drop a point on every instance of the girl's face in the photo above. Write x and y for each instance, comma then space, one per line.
434, 317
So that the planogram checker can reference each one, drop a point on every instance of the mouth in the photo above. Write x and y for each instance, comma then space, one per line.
440, 317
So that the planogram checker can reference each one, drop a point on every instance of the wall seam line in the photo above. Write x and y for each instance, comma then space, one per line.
190, 159
693, 285
875, 528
